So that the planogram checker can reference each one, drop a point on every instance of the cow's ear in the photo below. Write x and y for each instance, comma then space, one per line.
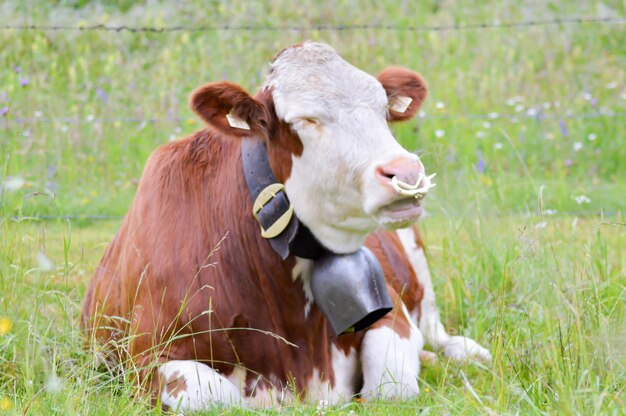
229, 108
406, 91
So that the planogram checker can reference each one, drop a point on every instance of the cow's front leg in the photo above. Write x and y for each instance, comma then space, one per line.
456, 347
189, 385
389, 356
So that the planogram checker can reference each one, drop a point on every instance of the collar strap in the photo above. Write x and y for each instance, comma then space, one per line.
272, 209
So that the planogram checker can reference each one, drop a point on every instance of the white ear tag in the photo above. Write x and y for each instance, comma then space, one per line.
400, 103
236, 122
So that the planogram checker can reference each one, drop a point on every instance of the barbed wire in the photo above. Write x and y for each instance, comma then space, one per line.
67, 217
338, 27
535, 115
104, 217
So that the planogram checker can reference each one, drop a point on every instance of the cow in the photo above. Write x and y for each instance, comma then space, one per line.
194, 297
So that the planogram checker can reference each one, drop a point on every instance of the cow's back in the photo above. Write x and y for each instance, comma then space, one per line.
182, 209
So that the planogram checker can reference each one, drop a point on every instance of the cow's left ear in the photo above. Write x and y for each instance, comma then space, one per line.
406, 91
230, 108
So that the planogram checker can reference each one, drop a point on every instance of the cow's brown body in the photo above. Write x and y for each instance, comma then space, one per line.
191, 294
195, 279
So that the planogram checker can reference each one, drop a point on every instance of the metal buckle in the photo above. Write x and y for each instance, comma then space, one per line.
264, 197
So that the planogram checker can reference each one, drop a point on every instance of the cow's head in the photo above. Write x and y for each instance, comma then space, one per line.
329, 121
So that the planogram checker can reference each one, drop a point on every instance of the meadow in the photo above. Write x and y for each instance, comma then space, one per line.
525, 126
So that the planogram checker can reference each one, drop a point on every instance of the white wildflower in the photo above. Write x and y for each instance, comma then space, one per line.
519, 108
90, 118
13, 183
497, 146
44, 262
480, 134
578, 146
542, 224
591, 137
531, 112
549, 211
440, 105
322, 406
493, 115
587, 96
38, 114
611, 85
582, 199
487, 125
440, 133
53, 384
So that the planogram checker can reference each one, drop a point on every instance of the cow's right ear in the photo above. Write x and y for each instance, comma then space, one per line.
230, 108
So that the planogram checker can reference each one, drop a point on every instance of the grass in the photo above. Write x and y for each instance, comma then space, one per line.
526, 236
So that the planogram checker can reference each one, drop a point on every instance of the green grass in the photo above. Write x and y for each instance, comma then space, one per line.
543, 289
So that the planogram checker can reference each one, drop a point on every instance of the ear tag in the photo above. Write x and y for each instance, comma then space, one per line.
236, 122
400, 103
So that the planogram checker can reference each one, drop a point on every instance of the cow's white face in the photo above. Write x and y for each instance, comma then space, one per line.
340, 186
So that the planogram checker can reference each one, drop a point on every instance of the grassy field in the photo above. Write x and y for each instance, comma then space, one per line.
525, 126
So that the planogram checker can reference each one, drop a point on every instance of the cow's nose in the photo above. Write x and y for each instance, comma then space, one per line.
406, 170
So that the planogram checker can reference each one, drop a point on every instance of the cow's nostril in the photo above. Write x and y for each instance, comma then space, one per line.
404, 172
385, 174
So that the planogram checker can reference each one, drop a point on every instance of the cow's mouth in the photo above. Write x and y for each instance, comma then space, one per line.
401, 211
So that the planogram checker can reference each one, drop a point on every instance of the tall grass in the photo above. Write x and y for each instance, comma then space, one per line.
526, 234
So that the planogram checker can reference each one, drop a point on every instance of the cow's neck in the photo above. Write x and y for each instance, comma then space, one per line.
283, 145
272, 208
288, 236
338, 240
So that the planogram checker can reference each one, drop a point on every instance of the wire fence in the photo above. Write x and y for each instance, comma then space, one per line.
86, 217
528, 113
534, 115
96, 217
338, 27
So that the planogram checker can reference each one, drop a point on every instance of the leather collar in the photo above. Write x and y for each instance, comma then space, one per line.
295, 238
350, 289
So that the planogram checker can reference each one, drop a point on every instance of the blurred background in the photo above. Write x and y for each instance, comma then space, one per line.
517, 99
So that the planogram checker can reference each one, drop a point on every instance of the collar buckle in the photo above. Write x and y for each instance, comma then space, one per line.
265, 198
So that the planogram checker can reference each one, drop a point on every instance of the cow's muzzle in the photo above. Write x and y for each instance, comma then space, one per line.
350, 290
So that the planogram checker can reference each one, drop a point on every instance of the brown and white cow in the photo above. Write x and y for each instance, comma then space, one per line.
200, 301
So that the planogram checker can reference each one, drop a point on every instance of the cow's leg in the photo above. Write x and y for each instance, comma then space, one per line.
390, 356
456, 347
190, 385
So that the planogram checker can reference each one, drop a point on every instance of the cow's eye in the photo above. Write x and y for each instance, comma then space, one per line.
304, 122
